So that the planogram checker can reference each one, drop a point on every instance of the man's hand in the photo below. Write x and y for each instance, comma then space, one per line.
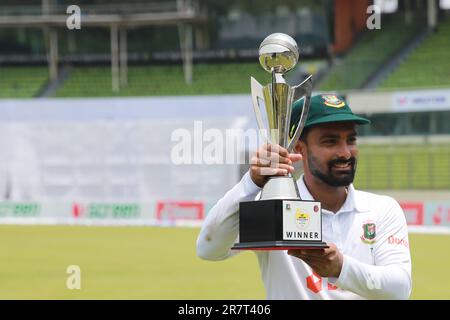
271, 160
325, 262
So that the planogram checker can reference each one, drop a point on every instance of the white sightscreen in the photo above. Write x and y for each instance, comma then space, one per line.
112, 150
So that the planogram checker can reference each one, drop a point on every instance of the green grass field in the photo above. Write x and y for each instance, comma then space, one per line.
158, 263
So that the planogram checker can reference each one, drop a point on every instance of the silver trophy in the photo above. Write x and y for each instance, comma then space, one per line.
278, 54
280, 219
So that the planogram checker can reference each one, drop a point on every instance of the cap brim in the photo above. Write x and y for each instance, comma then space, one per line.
338, 118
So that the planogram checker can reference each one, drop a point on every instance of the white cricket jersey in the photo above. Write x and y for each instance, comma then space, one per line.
370, 230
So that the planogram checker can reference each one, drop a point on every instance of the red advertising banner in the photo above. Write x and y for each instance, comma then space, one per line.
174, 210
414, 213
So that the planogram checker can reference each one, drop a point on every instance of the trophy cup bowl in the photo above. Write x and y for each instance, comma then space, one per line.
280, 220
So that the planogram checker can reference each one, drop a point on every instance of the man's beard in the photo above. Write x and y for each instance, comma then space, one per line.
341, 179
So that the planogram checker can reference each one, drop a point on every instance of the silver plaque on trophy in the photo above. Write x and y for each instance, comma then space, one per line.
280, 220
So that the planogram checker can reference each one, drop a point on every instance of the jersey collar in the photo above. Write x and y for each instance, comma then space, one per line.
351, 203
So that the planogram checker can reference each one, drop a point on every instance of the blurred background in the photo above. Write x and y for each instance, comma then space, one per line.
92, 91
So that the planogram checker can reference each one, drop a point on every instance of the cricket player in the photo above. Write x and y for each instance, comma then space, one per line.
368, 255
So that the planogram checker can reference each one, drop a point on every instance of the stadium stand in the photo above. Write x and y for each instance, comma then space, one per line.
428, 66
22, 82
399, 167
164, 80
371, 51
423, 166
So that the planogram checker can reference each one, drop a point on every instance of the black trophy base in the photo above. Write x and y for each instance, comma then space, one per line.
279, 245
262, 225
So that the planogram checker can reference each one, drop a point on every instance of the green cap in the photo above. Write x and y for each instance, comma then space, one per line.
324, 108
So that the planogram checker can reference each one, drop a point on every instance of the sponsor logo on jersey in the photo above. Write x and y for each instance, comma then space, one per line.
397, 241
369, 232
332, 100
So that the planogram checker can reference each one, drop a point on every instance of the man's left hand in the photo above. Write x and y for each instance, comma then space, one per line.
325, 262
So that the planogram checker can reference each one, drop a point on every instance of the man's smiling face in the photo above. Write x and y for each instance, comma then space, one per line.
330, 152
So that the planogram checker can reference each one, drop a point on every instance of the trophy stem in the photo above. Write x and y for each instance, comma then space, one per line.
273, 91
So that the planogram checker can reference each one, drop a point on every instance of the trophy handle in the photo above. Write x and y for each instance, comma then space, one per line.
257, 92
302, 90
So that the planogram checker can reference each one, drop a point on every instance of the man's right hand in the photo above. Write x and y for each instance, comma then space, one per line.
271, 160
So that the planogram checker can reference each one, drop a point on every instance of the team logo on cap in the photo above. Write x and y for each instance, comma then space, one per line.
301, 219
332, 100
369, 232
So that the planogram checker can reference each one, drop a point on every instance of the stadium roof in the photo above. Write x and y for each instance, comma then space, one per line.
102, 15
